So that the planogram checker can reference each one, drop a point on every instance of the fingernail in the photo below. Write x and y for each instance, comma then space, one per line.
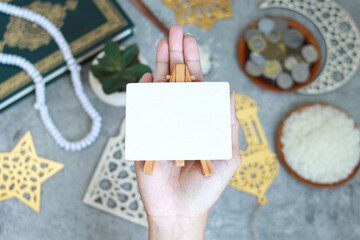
188, 34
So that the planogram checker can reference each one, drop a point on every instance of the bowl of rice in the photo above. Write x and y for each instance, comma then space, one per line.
319, 145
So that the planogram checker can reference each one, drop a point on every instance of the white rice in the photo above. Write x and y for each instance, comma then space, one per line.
321, 144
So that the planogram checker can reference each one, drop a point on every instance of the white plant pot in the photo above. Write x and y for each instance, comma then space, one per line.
117, 99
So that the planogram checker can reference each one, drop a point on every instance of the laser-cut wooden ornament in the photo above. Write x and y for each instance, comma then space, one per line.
22, 172
341, 37
113, 187
259, 165
203, 13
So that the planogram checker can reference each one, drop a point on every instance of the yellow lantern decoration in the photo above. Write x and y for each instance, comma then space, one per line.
259, 165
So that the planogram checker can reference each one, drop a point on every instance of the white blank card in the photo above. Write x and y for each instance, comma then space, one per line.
178, 121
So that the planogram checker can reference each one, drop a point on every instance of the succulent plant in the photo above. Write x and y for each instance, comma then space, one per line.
118, 67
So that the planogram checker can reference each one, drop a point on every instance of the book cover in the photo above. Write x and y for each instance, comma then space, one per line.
85, 24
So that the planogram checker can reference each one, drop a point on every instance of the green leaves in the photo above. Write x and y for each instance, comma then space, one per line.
118, 81
129, 55
100, 72
112, 52
139, 70
118, 68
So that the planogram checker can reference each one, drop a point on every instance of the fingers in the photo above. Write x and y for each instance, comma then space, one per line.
139, 165
147, 78
192, 57
176, 42
178, 49
162, 61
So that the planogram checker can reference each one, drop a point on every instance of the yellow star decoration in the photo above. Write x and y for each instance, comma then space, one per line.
203, 13
259, 165
22, 172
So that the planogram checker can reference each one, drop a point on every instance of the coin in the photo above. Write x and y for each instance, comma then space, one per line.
302, 60
266, 25
252, 69
293, 52
300, 73
257, 43
284, 81
290, 62
293, 38
272, 69
282, 47
274, 52
273, 37
280, 25
309, 53
257, 58
251, 32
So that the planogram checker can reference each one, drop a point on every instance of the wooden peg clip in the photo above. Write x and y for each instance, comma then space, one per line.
181, 73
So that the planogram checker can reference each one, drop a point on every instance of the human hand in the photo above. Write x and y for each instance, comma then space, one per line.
177, 200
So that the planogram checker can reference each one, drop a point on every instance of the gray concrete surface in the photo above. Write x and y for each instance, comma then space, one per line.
294, 211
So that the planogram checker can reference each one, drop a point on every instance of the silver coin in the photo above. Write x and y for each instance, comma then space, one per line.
257, 43
272, 69
280, 25
252, 69
273, 37
293, 38
300, 73
266, 25
251, 32
257, 58
309, 53
290, 62
284, 81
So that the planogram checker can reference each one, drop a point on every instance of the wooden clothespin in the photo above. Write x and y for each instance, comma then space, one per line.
181, 73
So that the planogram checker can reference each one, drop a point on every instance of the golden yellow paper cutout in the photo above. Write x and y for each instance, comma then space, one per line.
203, 13
259, 165
22, 172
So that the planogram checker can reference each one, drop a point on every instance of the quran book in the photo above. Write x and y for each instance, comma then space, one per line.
85, 24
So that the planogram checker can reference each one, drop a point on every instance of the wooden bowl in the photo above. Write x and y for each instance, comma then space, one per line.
243, 56
291, 171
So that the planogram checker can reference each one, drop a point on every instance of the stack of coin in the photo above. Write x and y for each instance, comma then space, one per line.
278, 54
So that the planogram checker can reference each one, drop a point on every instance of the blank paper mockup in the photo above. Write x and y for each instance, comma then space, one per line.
178, 121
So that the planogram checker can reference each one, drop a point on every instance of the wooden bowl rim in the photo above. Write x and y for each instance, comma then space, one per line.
309, 37
294, 173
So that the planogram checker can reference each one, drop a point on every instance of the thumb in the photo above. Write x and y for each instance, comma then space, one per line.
147, 78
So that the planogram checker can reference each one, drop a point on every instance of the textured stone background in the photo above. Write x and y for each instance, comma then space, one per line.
294, 211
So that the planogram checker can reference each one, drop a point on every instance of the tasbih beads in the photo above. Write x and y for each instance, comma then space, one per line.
74, 68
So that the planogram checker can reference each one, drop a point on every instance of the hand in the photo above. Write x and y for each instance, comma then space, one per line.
177, 200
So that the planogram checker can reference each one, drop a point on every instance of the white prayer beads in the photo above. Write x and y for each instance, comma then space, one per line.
40, 103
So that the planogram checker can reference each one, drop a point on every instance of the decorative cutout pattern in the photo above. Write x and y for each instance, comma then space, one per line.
259, 165
22, 172
23, 34
341, 35
204, 13
113, 187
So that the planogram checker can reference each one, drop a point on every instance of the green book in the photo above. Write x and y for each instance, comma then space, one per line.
85, 24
